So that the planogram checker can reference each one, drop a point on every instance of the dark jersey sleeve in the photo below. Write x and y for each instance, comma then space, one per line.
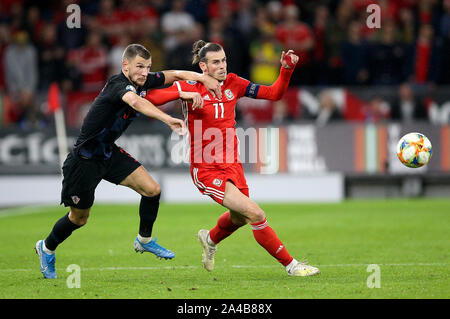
118, 87
154, 80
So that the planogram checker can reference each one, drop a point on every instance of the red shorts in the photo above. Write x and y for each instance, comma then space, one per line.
212, 181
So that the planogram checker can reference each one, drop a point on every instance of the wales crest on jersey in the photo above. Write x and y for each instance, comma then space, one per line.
229, 94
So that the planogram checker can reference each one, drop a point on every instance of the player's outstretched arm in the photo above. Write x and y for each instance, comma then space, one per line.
148, 109
171, 93
162, 96
211, 84
276, 91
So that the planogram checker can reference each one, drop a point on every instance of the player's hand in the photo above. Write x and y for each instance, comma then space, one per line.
177, 125
212, 85
289, 59
194, 97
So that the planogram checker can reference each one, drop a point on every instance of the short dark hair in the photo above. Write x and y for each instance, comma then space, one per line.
200, 48
135, 49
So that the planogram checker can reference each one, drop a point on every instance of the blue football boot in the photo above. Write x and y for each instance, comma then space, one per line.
154, 248
47, 261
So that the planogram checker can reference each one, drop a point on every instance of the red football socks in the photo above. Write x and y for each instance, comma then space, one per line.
267, 238
263, 233
223, 229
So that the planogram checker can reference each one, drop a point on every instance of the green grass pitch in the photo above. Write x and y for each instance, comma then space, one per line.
408, 240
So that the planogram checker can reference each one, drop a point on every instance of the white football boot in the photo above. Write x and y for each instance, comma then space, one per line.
208, 249
301, 269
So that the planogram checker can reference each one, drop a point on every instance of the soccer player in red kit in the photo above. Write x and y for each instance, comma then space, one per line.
216, 169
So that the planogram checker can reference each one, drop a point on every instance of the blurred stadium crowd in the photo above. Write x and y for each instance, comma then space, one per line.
410, 53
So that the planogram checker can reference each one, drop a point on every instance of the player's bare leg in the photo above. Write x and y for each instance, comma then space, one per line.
141, 182
247, 210
243, 208
79, 216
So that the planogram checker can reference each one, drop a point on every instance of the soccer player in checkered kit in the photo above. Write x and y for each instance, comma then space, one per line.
95, 155
219, 173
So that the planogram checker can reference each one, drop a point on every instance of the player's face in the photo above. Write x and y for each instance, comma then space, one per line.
216, 65
138, 69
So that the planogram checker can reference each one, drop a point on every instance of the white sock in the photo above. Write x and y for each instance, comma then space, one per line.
144, 240
46, 250
291, 265
209, 241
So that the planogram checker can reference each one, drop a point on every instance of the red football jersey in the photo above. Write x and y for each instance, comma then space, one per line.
213, 139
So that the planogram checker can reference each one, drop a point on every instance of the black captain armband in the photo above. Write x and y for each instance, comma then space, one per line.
252, 90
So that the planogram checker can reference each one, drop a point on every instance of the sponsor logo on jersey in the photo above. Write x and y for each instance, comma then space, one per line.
191, 82
207, 98
217, 182
131, 88
75, 199
229, 94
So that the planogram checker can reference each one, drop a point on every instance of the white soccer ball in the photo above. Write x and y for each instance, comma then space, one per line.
414, 150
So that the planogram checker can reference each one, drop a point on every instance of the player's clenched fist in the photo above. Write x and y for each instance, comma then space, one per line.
289, 59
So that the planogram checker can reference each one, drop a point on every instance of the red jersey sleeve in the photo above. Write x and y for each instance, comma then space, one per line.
273, 92
163, 96
276, 91
240, 83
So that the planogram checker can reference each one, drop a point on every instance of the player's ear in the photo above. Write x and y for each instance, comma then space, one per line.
203, 66
125, 65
